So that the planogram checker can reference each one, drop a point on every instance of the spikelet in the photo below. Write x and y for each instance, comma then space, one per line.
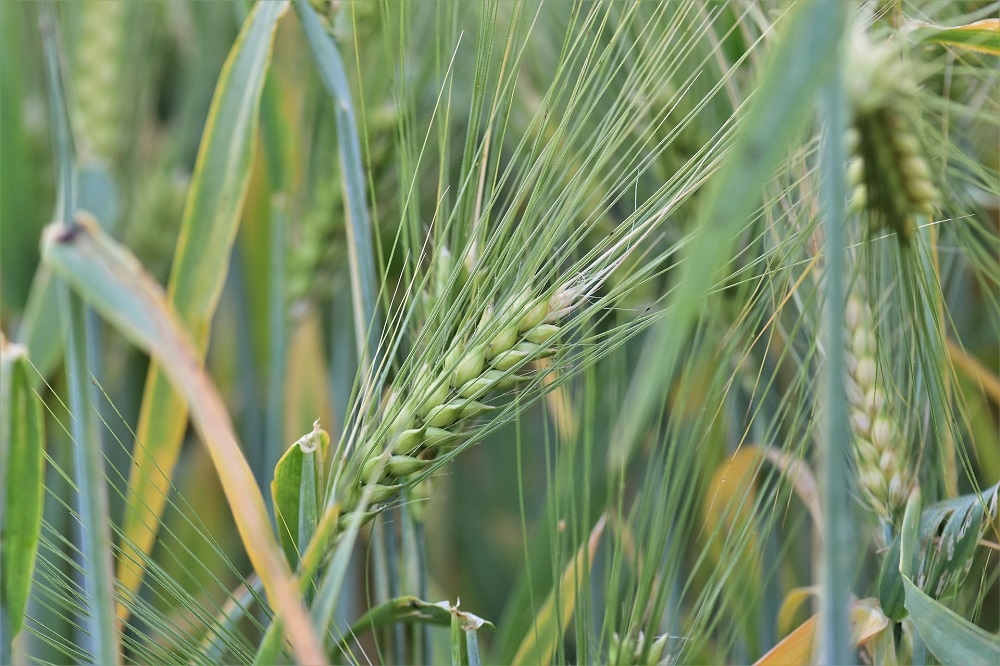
888, 171
439, 404
884, 468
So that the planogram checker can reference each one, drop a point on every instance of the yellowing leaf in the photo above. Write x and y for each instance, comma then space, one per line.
867, 621
208, 228
108, 277
980, 36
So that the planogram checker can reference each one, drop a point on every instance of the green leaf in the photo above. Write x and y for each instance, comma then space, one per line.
208, 229
289, 490
891, 593
539, 643
949, 533
952, 638
271, 646
464, 639
106, 275
800, 64
40, 328
980, 36
459, 650
361, 255
411, 610
22, 440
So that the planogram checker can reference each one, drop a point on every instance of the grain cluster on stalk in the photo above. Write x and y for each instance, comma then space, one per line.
430, 412
888, 172
99, 76
882, 457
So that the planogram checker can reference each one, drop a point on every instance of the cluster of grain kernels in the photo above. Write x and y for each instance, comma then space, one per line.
889, 171
881, 454
430, 415
98, 77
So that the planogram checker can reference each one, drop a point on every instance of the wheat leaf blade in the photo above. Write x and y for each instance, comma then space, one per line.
980, 36
800, 64
952, 638
361, 256
21, 475
208, 229
112, 281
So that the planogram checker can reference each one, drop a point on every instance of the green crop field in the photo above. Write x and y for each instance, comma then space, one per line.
500, 332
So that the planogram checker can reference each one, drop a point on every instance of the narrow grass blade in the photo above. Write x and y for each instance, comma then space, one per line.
798, 647
274, 637
539, 644
294, 492
981, 36
835, 440
332, 582
269, 651
22, 440
459, 649
364, 287
208, 228
39, 329
411, 610
89, 474
952, 638
464, 639
800, 64
111, 279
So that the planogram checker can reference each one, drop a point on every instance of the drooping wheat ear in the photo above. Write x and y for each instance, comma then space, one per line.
884, 465
433, 414
889, 170
98, 77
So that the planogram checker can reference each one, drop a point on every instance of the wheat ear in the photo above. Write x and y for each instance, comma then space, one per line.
99, 76
433, 415
884, 466
889, 171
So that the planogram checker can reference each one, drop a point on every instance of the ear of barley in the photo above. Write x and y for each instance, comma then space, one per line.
889, 171
882, 457
430, 412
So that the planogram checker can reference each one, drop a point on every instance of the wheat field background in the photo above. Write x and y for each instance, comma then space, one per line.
499, 332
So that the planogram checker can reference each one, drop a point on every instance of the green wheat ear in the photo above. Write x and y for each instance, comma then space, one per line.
99, 76
889, 171
430, 412
884, 464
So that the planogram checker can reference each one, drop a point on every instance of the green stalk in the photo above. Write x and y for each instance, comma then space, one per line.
308, 501
6, 638
277, 341
94, 529
835, 634
361, 256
